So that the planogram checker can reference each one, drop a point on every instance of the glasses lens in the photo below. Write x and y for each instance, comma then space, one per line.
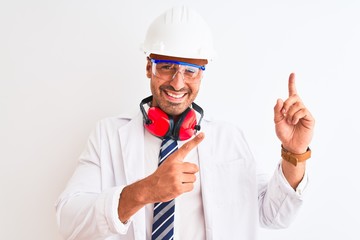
168, 70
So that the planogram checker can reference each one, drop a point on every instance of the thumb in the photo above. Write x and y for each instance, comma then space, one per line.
278, 115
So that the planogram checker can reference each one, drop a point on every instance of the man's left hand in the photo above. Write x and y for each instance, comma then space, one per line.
294, 124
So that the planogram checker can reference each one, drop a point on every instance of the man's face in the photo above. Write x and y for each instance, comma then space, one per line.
174, 95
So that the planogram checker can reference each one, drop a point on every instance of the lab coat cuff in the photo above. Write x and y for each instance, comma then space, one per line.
300, 188
110, 204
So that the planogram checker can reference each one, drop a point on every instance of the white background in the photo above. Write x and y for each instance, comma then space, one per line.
64, 65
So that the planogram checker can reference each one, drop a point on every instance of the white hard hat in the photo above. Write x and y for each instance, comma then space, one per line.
180, 32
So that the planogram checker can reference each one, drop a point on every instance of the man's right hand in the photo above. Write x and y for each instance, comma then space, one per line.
171, 179
174, 176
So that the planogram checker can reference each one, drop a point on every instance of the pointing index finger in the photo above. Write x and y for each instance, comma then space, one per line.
292, 87
190, 145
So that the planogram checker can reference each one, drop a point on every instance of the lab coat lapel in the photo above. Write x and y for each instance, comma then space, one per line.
205, 163
132, 147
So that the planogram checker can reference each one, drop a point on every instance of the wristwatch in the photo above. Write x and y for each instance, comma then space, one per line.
295, 158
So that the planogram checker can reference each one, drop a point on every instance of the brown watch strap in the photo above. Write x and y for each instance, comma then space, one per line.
295, 158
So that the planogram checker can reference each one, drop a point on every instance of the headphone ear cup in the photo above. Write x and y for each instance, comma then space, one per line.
186, 125
160, 122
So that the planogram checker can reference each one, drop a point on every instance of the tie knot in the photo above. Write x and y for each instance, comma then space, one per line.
168, 146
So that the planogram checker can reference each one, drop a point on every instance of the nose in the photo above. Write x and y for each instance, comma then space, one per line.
178, 81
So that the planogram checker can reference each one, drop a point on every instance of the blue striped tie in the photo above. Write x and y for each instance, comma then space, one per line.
163, 223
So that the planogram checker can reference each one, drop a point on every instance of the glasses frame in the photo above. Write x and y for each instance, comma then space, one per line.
156, 61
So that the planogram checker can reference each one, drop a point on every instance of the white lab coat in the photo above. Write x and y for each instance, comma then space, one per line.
235, 198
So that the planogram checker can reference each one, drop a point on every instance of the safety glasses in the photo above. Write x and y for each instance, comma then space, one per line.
167, 70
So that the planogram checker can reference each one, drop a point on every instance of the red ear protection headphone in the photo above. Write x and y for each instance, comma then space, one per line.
162, 125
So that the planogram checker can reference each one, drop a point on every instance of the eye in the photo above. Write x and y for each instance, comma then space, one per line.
166, 66
191, 70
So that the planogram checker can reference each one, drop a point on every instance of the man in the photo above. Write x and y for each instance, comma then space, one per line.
204, 184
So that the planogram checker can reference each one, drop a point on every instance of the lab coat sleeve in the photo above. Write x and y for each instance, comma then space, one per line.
279, 203
85, 210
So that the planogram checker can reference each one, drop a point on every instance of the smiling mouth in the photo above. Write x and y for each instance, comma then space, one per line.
175, 96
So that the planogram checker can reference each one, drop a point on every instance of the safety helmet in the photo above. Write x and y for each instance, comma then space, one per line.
179, 32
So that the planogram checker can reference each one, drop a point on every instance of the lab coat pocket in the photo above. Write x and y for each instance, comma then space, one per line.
233, 182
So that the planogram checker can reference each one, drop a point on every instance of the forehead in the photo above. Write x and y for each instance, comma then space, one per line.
200, 62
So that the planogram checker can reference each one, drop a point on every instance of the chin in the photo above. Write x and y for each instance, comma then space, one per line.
174, 109
174, 112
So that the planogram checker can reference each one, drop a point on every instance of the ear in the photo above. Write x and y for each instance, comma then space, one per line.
148, 69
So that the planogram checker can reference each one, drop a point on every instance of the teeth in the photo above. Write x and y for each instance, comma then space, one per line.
175, 96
